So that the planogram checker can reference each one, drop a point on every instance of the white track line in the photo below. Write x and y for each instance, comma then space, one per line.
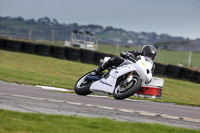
110, 108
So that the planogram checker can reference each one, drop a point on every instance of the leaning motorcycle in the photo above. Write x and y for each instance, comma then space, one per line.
121, 82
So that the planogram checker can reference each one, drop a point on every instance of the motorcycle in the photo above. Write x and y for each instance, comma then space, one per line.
121, 82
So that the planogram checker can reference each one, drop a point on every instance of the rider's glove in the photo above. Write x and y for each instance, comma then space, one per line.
126, 55
132, 56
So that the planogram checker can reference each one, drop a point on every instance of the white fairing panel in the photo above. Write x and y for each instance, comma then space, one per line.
144, 69
106, 85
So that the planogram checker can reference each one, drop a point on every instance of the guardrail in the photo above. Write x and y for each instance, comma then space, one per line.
93, 57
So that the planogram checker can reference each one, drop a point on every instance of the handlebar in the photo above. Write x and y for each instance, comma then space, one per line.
132, 59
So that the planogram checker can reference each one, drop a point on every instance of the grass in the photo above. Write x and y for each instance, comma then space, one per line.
16, 122
34, 69
181, 92
178, 58
39, 70
163, 56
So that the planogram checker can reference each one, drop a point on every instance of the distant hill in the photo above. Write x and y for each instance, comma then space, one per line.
42, 29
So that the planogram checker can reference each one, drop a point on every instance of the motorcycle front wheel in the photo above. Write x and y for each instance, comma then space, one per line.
82, 86
126, 89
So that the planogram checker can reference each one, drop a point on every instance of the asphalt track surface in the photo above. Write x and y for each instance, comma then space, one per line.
26, 98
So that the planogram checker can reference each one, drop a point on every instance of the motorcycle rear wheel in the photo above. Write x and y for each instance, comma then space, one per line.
82, 87
126, 90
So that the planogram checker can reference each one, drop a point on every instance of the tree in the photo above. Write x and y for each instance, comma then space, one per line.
55, 22
31, 21
44, 21
19, 18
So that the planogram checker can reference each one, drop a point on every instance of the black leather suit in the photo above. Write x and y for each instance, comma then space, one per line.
116, 60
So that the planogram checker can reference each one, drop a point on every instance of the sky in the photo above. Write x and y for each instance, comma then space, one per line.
174, 17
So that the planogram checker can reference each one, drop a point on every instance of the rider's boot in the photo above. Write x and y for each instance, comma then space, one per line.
102, 67
98, 70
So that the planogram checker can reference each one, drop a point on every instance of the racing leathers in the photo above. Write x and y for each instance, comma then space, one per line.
116, 60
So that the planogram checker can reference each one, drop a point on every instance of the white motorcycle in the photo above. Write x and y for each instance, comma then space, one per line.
121, 82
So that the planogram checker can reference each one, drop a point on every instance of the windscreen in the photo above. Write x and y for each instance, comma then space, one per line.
149, 60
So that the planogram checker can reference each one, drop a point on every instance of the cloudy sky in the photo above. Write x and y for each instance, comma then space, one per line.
174, 17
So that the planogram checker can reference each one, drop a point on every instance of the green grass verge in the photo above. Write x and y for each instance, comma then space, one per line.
39, 70
163, 56
34, 69
17, 122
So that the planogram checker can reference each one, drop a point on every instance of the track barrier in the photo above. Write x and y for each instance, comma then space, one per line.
86, 56
173, 71
197, 76
44, 50
28, 47
13, 45
3, 44
58, 52
160, 69
72, 53
187, 74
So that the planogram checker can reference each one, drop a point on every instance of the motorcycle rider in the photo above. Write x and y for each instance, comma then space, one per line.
147, 50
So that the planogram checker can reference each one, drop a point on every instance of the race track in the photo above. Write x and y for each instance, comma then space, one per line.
32, 99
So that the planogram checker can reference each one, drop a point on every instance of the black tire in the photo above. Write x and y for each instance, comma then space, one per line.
3, 43
44, 50
82, 90
187, 74
160, 69
136, 84
173, 71
14, 45
28, 47
58, 52
197, 76
72, 54
86, 56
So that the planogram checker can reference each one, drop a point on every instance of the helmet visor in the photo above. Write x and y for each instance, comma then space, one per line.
152, 57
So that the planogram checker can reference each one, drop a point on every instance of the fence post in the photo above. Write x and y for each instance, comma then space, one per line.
158, 54
97, 46
7, 31
52, 36
117, 48
139, 47
189, 58
30, 33
71, 39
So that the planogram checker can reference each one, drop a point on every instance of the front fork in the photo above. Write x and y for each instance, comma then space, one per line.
129, 78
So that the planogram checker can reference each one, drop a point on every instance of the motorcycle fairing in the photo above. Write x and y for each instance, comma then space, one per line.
108, 84
142, 67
